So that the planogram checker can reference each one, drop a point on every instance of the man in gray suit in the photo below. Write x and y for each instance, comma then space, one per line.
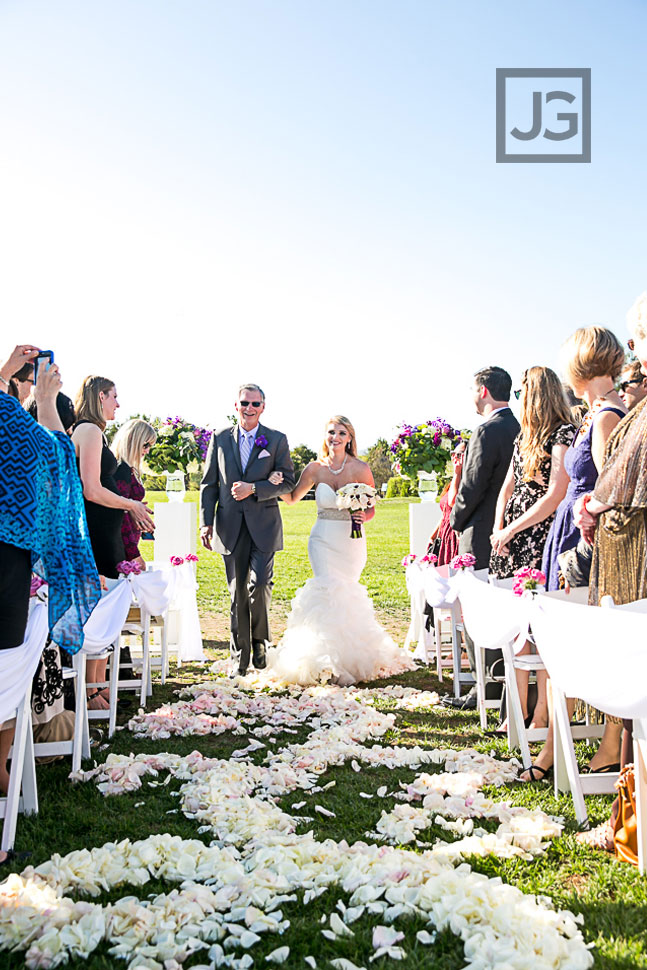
238, 499
485, 467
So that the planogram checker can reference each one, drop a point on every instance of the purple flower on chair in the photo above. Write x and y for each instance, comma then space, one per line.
260, 441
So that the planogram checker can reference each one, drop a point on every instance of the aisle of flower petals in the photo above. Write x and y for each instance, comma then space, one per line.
228, 892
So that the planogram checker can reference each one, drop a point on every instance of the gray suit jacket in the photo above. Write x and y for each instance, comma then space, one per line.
485, 467
261, 511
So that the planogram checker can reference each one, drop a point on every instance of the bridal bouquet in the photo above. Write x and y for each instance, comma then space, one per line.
357, 497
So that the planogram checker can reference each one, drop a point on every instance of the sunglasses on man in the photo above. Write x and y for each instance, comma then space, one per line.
625, 384
246, 404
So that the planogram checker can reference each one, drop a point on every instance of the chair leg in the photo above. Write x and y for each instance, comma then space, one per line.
165, 667
640, 761
114, 687
144, 690
81, 747
23, 724
456, 649
567, 775
479, 663
516, 727
29, 786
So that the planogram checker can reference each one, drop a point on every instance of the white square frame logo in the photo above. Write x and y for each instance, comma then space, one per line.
583, 74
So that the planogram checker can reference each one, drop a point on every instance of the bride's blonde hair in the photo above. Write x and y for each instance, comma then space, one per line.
351, 446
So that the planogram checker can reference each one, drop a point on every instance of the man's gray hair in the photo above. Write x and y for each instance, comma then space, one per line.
251, 387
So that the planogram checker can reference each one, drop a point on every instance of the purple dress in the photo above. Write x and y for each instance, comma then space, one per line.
564, 534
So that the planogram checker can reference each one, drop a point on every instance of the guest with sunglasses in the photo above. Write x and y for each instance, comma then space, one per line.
130, 446
240, 519
632, 385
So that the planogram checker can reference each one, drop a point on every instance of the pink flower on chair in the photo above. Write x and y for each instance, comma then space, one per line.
466, 561
129, 567
176, 560
411, 557
190, 557
528, 579
430, 559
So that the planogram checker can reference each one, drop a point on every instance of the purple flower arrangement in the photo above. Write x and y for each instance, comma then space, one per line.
129, 567
425, 447
179, 444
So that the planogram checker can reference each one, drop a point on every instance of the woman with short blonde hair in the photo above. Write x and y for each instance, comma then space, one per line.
130, 446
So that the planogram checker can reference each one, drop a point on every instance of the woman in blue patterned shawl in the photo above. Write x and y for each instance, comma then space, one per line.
41, 509
42, 520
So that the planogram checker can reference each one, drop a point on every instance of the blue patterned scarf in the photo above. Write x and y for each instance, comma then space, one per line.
41, 509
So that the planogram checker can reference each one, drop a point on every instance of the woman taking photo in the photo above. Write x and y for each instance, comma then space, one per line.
41, 513
95, 405
130, 446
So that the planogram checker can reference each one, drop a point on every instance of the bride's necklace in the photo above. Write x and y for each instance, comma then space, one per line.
337, 471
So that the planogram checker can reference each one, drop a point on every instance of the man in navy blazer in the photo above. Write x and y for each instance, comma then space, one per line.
240, 519
485, 467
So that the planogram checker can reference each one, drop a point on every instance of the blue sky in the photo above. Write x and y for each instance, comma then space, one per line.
306, 195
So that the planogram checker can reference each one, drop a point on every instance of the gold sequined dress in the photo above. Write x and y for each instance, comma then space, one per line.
619, 566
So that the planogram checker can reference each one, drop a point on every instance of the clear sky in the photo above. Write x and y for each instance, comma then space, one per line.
305, 195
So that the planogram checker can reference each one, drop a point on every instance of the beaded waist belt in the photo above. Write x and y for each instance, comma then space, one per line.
341, 514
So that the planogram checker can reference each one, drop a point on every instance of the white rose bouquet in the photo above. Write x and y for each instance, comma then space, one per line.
357, 497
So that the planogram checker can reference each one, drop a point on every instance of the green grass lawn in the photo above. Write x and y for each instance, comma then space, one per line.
611, 896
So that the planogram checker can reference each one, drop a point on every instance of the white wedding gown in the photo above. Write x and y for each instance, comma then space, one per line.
332, 633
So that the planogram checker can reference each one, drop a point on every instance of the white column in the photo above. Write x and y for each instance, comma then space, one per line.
423, 519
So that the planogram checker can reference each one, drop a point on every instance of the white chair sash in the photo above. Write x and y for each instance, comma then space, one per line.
595, 654
185, 600
492, 615
18, 664
155, 589
103, 626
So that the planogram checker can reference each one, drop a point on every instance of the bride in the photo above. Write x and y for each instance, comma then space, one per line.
332, 633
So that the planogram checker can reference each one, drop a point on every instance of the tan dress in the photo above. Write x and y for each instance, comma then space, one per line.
619, 566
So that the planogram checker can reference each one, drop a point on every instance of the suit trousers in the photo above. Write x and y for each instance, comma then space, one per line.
250, 579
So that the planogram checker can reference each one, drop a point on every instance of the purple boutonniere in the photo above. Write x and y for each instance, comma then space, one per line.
260, 441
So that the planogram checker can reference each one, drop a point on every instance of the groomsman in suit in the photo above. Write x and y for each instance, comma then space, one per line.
485, 467
240, 519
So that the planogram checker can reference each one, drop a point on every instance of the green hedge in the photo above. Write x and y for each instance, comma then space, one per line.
400, 487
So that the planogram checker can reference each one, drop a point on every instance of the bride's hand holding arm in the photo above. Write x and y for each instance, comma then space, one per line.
306, 481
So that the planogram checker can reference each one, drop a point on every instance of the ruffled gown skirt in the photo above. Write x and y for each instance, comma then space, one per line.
332, 633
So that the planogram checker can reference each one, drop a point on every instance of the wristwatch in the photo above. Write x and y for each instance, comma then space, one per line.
253, 488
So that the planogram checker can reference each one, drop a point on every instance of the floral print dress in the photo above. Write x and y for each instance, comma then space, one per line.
527, 547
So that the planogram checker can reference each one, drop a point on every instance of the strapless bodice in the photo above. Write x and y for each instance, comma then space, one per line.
326, 499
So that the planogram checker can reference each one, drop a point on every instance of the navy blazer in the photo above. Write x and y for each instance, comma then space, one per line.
485, 466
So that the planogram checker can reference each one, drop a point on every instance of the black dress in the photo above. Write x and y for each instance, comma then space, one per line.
527, 547
104, 524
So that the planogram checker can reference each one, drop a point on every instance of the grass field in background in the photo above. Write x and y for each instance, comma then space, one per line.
388, 541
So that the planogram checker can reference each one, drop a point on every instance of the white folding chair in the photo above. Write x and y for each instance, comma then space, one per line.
103, 642
79, 745
579, 666
451, 615
640, 779
17, 668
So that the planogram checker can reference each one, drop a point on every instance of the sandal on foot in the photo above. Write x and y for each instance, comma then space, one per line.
604, 770
537, 773
601, 837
